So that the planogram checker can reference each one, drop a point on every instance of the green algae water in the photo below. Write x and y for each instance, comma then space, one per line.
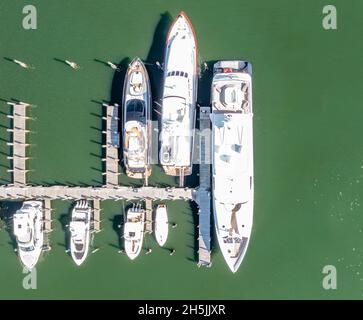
307, 134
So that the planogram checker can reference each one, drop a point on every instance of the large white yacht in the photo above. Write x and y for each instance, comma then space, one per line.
28, 230
232, 136
134, 231
179, 98
136, 121
80, 230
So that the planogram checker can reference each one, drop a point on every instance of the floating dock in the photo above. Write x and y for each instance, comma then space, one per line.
96, 219
92, 193
47, 223
19, 144
112, 145
203, 195
149, 216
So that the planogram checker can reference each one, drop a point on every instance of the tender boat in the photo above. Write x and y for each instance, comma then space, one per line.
134, 231
28, 231
137, 121
232, 148
161, 224
179, 98
80, 230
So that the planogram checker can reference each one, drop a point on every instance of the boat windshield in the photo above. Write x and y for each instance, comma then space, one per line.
135, 110
26, 249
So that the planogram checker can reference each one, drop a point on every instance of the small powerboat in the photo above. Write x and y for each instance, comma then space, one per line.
134, 231
80, 229
161, 224
28, 230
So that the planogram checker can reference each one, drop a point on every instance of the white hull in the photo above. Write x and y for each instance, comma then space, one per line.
179, 98
80, 231
232, 149
28, 230
137, 121
161, 224
134, 231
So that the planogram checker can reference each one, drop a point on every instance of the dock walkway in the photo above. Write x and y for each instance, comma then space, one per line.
203, 196
112, 145
19, 142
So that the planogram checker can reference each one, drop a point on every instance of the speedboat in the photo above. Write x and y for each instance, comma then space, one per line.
137, 121
179, 98
161, 224
80, 229
232, 154
28, 231
134, 231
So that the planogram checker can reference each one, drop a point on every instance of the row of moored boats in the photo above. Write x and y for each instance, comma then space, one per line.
28, 226
232, 142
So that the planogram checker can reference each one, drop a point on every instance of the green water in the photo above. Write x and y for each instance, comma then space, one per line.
307, 134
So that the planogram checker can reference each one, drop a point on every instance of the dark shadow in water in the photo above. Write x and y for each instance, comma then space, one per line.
205, 83
64, 220
194, 209
95, 128
156, 53
117, 223
61, 60
7, 209
95, 155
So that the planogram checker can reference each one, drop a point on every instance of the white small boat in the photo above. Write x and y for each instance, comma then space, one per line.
232, 166
28, 230
179, 98
161, 224
134, 231
80, 229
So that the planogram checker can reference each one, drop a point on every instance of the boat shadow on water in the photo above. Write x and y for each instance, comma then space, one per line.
7, 209
65, 219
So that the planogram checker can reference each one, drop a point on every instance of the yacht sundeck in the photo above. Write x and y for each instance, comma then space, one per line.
232, 148
137, 121
179, 98
80, 230
28, 230
134, 231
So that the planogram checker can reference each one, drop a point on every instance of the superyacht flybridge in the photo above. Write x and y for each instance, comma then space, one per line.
179, 99
232, 148
136, 121
28, 230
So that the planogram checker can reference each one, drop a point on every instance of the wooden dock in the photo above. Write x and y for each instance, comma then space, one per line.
19, 144
10, 192
96, 219
47, 223
112, 145
203, 196
149, 216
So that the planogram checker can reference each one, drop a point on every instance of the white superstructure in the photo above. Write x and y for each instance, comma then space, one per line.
136, 121
161, 224
179, 98
232, 144
28, 231
134, 231
80, 231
